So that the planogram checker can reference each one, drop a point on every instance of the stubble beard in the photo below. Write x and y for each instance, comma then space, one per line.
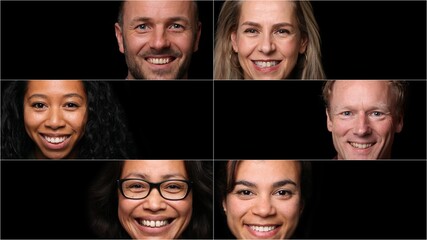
136, 70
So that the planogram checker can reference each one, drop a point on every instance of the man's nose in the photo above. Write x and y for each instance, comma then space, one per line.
159, 39
362, 127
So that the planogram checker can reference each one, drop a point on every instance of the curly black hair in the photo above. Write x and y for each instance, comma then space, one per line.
106, 134
103, 201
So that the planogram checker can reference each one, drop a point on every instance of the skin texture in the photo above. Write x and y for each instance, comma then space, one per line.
363, 112
261, 198
155, 207
269, 33
158, 31
55, 109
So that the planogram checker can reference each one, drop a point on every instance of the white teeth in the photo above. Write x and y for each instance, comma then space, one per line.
158, 61
264, 64
263, 228
55, 139
361, 145
153, 224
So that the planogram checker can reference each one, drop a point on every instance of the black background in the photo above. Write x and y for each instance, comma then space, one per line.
76, 40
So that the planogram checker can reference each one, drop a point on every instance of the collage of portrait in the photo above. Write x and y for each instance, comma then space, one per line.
212, 119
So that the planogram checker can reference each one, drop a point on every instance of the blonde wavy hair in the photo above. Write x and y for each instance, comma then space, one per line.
226, 63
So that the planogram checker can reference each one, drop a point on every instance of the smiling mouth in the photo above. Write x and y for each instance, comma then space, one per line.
262, 228
361, 145
55, 140
266, 64
159, 60
153, 224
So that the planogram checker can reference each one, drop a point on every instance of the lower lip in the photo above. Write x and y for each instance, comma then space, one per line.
155, 230
266, 69
55, 146
257, 234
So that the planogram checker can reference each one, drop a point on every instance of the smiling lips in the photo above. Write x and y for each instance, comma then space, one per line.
55, 140
159, 60
262, 228
361, 145
266, 64
152, 223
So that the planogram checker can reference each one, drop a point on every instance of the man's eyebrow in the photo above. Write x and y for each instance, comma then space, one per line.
170, 19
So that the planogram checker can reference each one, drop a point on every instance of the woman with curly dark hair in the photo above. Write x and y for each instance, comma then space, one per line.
165, 199
55, 119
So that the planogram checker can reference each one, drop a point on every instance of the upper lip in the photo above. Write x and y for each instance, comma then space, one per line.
55, 134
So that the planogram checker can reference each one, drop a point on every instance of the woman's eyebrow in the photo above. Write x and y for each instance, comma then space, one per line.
69, 95
283, 183
245, 183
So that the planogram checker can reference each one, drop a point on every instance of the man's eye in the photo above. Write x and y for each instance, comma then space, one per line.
346, 113
142, 27
176, 26
377, 114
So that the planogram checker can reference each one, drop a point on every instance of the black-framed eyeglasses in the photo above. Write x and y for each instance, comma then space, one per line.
136, 188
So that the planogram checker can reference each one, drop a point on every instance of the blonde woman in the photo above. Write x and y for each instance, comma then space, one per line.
267, 40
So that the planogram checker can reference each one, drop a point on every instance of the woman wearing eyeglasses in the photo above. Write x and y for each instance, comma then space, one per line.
164, 199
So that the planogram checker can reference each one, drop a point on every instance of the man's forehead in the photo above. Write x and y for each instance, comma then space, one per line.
154, 9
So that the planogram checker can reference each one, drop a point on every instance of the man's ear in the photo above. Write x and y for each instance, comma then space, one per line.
328, 120
119, 36
196, 42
